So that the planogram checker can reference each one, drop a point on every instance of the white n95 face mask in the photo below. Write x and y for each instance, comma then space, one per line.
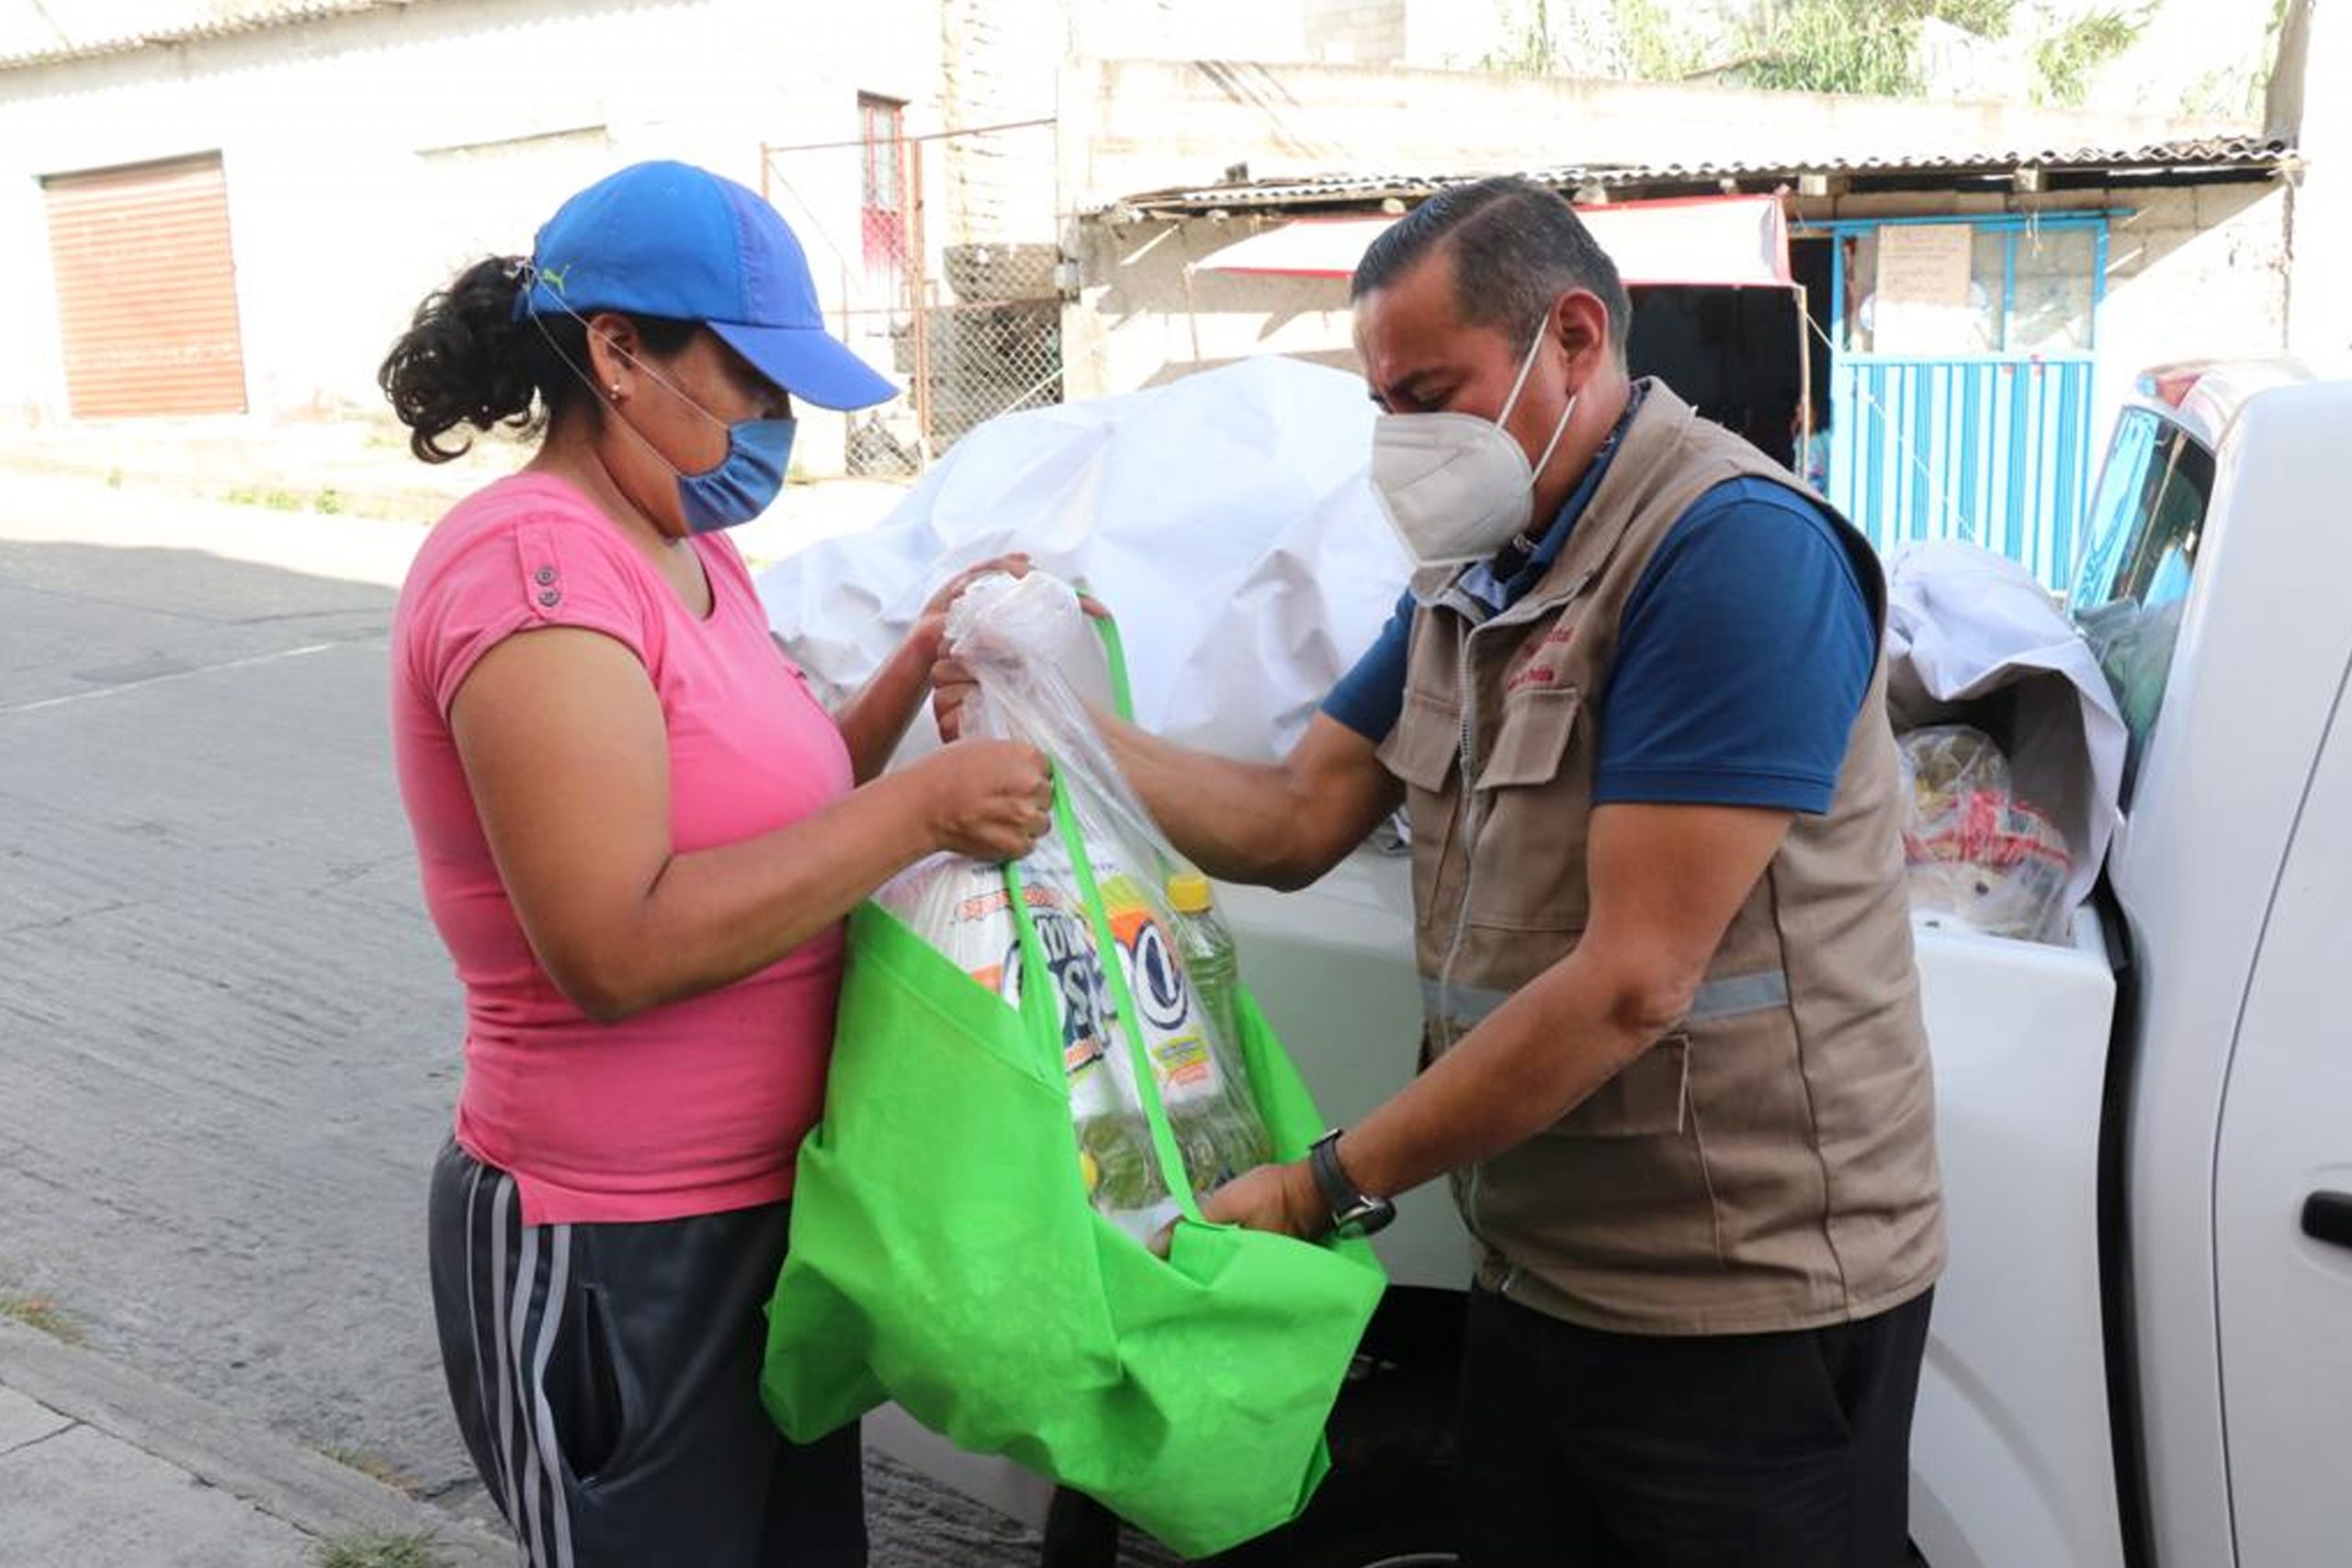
1457, 487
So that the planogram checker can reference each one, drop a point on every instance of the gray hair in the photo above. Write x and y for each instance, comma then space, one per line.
1517, 246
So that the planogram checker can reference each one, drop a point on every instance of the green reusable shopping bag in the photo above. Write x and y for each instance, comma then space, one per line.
943, 1255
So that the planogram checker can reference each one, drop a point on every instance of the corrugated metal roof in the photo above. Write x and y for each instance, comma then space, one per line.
32, 34
2220, 154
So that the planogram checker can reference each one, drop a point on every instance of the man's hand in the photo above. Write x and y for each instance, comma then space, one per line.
931, 625
952, 684
951, 688
1279, 1197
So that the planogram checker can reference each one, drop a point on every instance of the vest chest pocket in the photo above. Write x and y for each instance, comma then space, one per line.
1425, 743
1535, 799
1532, 734
1422, 751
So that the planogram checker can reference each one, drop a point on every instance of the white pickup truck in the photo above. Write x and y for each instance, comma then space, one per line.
2141, 1356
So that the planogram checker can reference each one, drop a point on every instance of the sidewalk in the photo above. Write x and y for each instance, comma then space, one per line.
313, 472
98, 1465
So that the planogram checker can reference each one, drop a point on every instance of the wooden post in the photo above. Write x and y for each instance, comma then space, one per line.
1804, 372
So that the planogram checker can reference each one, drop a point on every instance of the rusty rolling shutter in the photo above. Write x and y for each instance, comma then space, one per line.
146, 290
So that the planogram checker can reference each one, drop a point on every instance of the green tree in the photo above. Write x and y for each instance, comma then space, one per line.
1655, 49
1866, 46
1528, 47
1843, 46
2065, 60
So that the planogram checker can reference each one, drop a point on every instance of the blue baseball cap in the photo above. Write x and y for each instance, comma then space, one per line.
670, 240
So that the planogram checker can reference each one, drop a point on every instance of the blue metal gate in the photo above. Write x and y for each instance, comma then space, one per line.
1995, 450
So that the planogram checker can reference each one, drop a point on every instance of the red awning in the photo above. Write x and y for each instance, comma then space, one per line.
1726, 242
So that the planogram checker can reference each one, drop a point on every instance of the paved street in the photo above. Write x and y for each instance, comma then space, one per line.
228, 1037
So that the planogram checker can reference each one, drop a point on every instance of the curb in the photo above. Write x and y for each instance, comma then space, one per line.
415, 505
309, 1491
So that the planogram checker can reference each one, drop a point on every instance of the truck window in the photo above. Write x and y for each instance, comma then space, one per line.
2140, 554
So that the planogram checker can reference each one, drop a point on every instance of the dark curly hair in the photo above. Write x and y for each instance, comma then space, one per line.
465, 360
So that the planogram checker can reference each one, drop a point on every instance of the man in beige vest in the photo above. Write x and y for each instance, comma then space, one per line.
1633, 705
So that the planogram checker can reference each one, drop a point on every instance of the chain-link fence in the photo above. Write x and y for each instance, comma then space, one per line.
939, 259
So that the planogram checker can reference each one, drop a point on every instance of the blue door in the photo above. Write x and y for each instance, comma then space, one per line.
1993, 444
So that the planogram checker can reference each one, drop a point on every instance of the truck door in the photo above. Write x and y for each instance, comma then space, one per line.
2282, 1203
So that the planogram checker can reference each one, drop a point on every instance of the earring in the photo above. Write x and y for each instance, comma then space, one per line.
617, 391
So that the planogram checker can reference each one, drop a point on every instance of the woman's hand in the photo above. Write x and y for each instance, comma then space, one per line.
991, 800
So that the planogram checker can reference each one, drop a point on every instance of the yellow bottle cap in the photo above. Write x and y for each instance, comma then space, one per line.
1188, 892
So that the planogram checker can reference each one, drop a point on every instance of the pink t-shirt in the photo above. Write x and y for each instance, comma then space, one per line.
695, 1106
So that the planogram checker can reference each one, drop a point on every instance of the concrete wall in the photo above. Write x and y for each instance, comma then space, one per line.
2193, 273
1144, 317
1357, 32
1189, 29
1000, 65
369, 156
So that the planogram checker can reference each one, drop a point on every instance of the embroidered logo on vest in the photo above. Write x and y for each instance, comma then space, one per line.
1537, 670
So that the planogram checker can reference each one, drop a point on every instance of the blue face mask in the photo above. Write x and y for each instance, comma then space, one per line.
746, 483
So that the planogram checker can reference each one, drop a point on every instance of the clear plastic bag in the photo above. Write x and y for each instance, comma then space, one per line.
1013, 634
1977, 855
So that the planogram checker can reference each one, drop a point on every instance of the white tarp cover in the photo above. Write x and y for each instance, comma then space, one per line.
1963, 625
1225, 519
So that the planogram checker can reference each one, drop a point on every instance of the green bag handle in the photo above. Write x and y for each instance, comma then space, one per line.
1037, 1005
1037, 1002
1114, 653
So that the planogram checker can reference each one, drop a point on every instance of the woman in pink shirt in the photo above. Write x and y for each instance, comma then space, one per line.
638, 835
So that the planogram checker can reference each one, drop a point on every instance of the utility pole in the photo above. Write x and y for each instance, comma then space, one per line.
2308, 107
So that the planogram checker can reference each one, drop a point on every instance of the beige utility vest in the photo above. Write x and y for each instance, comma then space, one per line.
1769, 1163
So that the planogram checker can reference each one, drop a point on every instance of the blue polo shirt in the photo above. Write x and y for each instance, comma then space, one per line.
1746, 653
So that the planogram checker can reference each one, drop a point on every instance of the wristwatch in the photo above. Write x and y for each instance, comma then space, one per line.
1353, 1211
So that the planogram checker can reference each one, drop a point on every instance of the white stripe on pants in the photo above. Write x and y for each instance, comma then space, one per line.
521, 1339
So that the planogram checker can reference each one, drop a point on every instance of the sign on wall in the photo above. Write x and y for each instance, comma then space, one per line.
1921, 302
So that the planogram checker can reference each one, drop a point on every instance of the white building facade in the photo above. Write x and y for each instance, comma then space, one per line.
357, 155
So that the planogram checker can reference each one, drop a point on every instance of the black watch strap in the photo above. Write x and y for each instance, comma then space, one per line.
1352, 1211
